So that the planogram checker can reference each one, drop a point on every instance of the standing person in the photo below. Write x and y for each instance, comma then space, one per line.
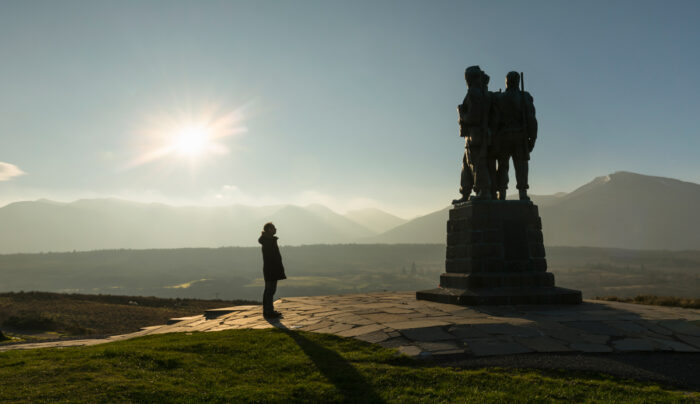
273, 270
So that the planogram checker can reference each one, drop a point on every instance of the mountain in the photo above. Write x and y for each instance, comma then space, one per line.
315, 224
431, 228
111, 223
424, 229
624, 210
375, 219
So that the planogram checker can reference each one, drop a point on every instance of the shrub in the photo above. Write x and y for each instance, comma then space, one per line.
29, 321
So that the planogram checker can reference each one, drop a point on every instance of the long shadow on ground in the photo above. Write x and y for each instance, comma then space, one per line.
352, 385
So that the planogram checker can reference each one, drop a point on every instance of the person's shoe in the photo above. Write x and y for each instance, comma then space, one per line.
502, 195
463, 199
523, 195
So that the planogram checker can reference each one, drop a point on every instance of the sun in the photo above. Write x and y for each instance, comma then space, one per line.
188, 135
192, 141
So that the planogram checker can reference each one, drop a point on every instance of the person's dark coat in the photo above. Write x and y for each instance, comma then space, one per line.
273, 270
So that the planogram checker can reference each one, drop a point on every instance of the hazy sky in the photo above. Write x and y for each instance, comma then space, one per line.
348, 104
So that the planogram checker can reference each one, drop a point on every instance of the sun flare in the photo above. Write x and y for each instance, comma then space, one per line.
187, 135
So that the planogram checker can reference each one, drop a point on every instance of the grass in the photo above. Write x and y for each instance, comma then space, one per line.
25, 313
688, 303
285, 366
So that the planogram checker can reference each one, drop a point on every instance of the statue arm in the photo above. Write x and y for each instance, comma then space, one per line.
474, 105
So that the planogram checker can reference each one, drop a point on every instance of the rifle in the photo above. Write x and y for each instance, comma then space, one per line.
526, 139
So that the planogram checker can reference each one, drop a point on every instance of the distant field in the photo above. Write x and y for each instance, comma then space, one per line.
235, 272
283, 366
37, 316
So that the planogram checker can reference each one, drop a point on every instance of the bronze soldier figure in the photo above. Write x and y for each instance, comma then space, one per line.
474, 128
466, 181
492, 151
517, 132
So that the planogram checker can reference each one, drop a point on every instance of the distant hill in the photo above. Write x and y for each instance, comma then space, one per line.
375, 219
623, 210
424, 229
111, 223
627, 210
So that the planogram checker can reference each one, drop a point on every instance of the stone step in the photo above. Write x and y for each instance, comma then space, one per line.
215, 313
178, 319
502, 296
496, 280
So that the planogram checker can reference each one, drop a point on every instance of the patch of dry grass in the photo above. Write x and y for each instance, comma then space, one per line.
688, 303
75, 314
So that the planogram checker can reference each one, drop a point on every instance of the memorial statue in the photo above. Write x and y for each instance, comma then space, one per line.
495, 249
516, 134
473, 122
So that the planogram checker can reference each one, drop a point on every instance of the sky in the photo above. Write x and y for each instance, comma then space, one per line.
347, 104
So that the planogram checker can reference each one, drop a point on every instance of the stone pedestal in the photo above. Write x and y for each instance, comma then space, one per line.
495, 255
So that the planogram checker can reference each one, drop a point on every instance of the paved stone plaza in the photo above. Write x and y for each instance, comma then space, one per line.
427, 329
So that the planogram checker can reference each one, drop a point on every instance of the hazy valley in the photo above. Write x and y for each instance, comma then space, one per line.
235, 272
167, 251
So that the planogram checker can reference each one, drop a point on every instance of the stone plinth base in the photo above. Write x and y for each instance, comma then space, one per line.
495, 255
520, 295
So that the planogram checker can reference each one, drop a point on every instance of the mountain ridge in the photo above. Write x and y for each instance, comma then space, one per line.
620, 210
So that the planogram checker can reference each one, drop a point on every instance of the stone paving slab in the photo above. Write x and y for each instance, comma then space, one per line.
424, 329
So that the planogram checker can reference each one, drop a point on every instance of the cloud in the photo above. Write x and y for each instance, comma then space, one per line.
9, 171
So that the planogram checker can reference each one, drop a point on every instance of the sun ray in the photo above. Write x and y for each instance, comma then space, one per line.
188, 135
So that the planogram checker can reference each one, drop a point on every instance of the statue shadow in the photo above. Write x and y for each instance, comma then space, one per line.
661, 350
345, 377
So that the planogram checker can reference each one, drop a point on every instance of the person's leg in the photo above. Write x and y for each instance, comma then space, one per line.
466, 181
521, 173
273, 290
502, 175
270, 289
491, 164
482, 182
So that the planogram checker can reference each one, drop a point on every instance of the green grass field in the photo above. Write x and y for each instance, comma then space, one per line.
285, 366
